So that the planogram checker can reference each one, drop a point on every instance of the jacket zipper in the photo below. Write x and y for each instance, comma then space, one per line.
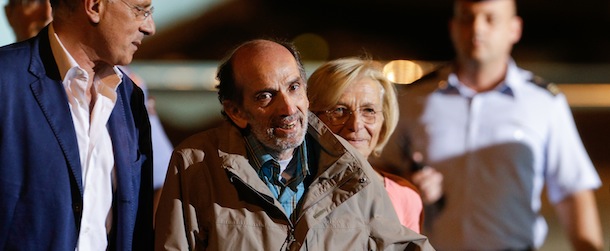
290, 234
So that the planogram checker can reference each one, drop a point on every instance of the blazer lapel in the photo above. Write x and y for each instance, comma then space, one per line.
53, 101
121, 141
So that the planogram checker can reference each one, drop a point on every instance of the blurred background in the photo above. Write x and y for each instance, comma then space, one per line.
566, 42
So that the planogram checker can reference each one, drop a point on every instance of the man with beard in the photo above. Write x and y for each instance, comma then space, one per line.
273, 177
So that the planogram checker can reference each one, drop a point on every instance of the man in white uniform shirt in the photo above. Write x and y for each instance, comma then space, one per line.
492, 136
76, 169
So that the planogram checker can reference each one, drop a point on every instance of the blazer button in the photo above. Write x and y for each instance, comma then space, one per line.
78, 207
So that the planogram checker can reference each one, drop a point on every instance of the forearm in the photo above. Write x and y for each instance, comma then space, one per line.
579, 217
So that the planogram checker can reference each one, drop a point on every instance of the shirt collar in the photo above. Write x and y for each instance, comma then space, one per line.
67, 64
259, 155
64, 60
508, 86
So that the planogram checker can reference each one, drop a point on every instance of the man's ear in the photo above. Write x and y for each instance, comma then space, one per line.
235, 113
93, 9
8, 12
516, 29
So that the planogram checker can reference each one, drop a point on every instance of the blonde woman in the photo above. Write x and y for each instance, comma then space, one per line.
355, 100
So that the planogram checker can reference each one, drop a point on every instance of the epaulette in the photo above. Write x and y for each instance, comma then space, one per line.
427, 83
549, 86
436, 73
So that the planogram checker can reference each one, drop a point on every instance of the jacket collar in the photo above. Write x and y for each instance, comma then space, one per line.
52, 99
329, 161
49, 93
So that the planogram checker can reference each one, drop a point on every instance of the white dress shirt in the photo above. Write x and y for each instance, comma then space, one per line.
91, 103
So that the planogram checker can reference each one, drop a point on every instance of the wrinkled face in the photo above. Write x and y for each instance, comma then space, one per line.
122, 26
28, 19
362, 97
484, 31
275, 101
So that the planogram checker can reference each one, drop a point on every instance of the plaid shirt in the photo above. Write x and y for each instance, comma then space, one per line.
288, 189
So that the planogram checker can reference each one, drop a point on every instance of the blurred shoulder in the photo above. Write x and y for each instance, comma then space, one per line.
428, 83
13, 54
550, 87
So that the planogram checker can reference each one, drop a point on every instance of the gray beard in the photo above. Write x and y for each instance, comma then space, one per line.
278, 145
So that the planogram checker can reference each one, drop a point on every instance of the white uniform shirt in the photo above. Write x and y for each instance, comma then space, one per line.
90, 107
495, 149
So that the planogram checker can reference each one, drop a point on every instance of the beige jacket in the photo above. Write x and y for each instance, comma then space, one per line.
213, 199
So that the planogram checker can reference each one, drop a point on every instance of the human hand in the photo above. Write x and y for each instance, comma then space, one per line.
429, 181
150, 106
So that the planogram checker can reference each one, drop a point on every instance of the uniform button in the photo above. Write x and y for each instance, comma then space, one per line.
518, 134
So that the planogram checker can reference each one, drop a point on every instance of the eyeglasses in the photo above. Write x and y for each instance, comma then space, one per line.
141, 12
339, 115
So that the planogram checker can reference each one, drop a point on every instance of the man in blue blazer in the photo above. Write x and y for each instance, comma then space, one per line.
75, 145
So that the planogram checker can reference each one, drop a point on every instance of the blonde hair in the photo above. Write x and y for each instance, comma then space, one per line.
327, 83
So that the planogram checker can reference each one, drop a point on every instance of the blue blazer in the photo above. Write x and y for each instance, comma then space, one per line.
41, 191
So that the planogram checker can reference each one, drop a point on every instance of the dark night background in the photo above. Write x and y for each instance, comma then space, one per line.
554, 31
